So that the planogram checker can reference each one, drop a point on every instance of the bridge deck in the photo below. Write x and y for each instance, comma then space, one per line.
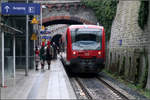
50, 84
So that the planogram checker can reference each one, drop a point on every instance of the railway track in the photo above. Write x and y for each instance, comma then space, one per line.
113, 89
95, 94
88, 95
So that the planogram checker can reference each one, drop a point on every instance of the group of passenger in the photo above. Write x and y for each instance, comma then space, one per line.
45, 54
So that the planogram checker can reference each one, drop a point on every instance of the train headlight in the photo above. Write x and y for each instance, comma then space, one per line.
74, 53
99, 52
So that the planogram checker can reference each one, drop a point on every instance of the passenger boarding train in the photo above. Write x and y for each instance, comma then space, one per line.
84, 48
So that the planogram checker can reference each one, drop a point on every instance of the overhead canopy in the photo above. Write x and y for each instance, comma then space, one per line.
9, 29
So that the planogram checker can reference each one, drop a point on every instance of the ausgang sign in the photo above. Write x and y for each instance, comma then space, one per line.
20, 8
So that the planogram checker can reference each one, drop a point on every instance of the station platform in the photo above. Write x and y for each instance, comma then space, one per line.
48, 84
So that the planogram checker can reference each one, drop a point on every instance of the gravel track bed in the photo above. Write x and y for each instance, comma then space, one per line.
98, 90
137, 95
78, 91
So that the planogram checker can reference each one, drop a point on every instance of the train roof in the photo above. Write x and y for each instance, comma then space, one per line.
85, 26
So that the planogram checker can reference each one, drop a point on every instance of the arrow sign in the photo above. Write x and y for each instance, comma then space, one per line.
20, 8
7, 8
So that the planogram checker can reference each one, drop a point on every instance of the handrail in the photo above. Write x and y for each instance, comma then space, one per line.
4, 26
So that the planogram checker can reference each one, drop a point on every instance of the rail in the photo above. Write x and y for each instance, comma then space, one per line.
113, 89
84, 89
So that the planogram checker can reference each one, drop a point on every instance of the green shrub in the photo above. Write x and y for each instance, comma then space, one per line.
105, 10
143, 14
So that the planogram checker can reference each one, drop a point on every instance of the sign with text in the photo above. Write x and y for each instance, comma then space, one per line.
120, 42
34, 21
45, 32
33, 37
46, 37
20, 8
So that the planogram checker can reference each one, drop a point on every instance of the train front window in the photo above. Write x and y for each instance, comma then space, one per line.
86, 39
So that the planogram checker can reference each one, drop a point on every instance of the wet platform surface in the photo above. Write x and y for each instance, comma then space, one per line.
50, 84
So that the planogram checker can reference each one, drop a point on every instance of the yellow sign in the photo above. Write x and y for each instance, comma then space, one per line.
34, 21
33, 37
43, 28
43, 40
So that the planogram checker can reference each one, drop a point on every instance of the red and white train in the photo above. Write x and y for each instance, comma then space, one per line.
84, 48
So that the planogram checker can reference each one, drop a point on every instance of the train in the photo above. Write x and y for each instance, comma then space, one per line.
84, 48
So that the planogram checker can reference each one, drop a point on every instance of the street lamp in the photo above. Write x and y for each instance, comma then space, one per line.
42, 6
41, 17
27, 60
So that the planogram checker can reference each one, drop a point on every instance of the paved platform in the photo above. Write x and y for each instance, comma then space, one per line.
50, 84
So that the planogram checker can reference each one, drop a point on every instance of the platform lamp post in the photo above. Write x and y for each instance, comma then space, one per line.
2, 52
27, 40
41, 17
34, 37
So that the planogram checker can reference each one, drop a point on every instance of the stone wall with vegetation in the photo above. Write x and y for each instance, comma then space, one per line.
127, 24
105, 11
148, 32
129, 43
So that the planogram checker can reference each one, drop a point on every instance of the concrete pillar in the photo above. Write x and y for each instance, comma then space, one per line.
148, 80
0, 57
0, 48
127, 67
2, 53
142, 68
14, 56
107, 56
120, 64
132, 68
27, 45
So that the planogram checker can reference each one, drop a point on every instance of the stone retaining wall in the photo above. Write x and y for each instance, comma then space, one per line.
75, 12
128, 46
148, 32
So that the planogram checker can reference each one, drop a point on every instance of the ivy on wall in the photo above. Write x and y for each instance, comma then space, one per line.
105, 11
143, 81
143, 14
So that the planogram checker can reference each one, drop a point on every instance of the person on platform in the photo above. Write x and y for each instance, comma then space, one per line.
37, 57
42, 55
49, 54
55, 50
